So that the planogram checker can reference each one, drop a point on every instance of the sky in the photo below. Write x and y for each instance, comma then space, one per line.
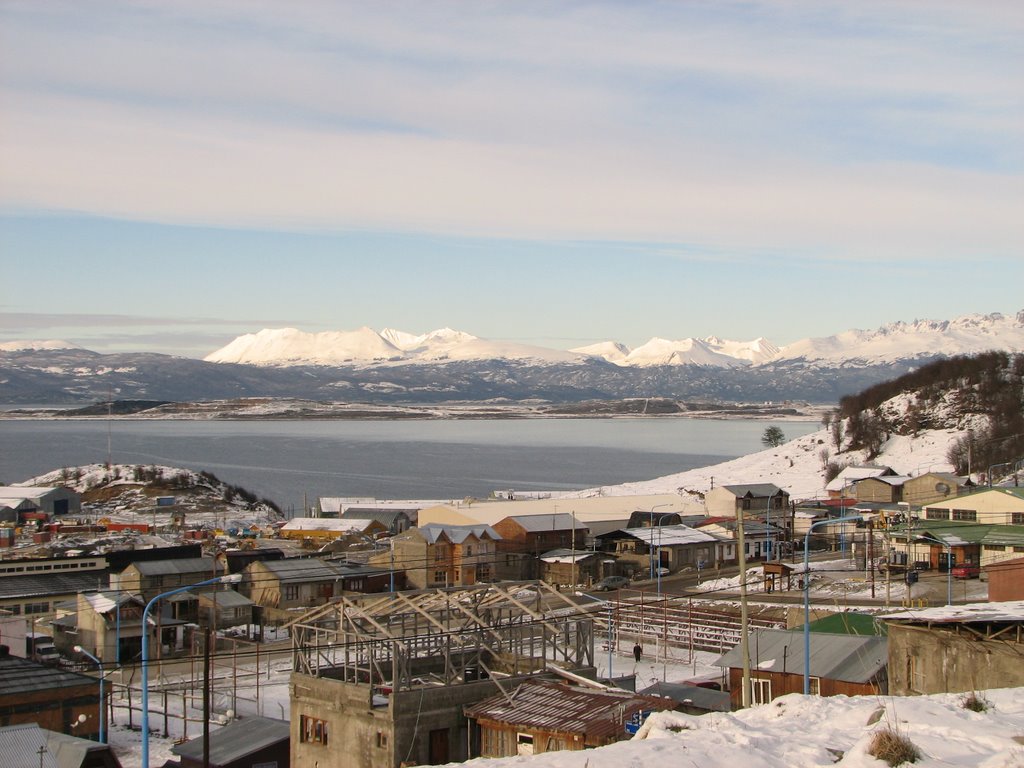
174, 174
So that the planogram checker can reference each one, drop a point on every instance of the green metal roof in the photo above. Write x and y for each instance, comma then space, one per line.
849, 624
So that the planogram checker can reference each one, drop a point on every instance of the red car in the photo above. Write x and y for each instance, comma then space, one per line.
966, 571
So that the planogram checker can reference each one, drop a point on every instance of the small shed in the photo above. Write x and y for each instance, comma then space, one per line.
777, 576
1006, 580
243, 743
549, 716
30, 745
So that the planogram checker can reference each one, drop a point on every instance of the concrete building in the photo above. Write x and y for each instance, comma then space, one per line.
956, 649
383, 681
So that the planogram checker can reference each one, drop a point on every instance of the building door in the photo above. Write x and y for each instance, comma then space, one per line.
439, 747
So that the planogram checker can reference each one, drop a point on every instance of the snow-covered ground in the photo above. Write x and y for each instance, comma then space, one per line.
795, 466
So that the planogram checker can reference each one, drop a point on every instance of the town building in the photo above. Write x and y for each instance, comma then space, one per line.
674, 547
51, 697
444, 555
748, 499
244, 743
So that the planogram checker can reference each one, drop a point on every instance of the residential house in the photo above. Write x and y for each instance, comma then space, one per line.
749, 499
541, 716
1006, 580
51, 697
843, 485
850, 665
759, 539
37, 595
956, 649
153, 577
244, 743
931, 488
672, 546
37, 746
529, 536
107, 624
444, 555
887, 489
305, 582
992, 506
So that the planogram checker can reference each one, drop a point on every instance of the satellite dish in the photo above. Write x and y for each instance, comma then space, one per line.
942, 488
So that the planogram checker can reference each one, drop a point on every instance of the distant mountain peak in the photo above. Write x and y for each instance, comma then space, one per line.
39, 346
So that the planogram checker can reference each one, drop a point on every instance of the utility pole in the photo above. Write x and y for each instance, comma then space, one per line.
744, 620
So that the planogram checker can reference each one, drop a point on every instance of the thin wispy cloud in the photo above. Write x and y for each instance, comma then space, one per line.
862, 132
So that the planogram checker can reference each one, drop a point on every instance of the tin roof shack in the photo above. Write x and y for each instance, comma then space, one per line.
382, 680
850, 665
540, 716
956, 649
242, 743
568, 567
1006, 580
28, 744
691, 699
52, 697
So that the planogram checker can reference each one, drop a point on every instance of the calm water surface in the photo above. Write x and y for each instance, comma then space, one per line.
285, 460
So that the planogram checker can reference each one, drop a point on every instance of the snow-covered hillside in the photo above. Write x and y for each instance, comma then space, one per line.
22, 346
898, 341
795, 466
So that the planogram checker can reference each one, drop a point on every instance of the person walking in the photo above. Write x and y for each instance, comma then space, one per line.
638, 651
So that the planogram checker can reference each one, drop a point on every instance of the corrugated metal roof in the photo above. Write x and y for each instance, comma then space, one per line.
236, 740
702, 698
850, 658
670, 535
19, 747
332, 524
560, 521
303, 570
1009, 611
41, 584
227, 598
568, 555
21, 675
180, 565
555, 706
757, 490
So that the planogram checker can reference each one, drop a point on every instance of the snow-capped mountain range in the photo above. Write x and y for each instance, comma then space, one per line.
894, 342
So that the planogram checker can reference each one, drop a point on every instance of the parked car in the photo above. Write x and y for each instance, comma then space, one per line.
966, 571
610, 583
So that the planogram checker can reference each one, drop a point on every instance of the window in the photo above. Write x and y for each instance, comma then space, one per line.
439, 553
312, 730
965, 514
290, 591
524, 744
382, 740
36, 608
995, 548
1017, 518
814, 686
440, 577
936, 514
761, 691
469, 550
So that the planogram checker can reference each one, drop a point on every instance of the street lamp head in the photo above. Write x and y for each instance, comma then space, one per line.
231, 578
79, 649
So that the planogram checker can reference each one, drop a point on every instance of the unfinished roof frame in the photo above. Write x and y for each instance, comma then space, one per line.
404, 640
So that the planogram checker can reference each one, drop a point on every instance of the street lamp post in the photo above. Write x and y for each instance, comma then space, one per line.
651, 513
103, 701
807, 595
233, 578
949, 566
